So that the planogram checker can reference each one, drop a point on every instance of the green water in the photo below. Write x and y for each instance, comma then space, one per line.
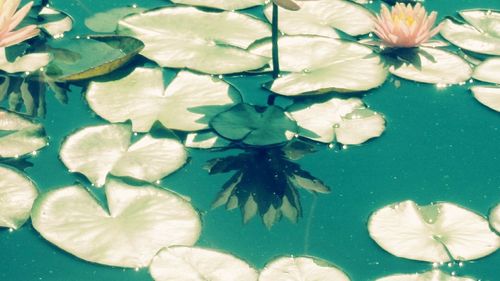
440, 145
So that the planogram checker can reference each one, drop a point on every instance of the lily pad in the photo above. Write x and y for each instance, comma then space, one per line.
197, 264
185, 37
27, 63
254, 125
481, 35
54, 22
187, 103
83, 58
19, 136
436, 67
108, 21
488, 71
495, 218
435, 233
17, 194
301, 268
101, 150
322, 17
316, 65
434, 275
205, 140
489, 96
228, 5
347, 121
141, 221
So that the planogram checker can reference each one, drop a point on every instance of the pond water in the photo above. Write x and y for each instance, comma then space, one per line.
440, 145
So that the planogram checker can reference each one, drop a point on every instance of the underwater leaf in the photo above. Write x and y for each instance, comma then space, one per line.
56, 28
322, 17
301, 268
17, 194
197, 264
228, 5
488, 71
108, 21
185, 104
19, 136
254, 125
27, 63
101, 150
186, 37
347, 121
495, 218
317, 65
434, 233
489, 96
434, 275
481, 35
205, 140
141, 221
436, 67
83, 58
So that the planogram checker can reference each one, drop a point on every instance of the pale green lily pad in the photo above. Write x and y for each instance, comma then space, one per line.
489, 96
301, 268
197, 264
315, 65
495, 218
101, 150
488, 71
322, 17
17, 194
346, 121
141, 221
27, 63
481, 35
443, 68
19, 136
205, 140
187, 103
185, 37
434, 275
56, 28
228, 5
435, 233
108, 21
254, 125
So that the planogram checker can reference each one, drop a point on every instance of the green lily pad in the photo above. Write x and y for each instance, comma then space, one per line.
481, 35
346, 121
141, 221
187, 103
19, 136
197, 264
322, 17
435, 233
101, 150
185, 37
316, 65
108, 21
489, 96
301, 268
228, 5
254, 125
436, 67
17, 194
83, 58
488, 71
27, 63
495, 218
433, 275
205, 140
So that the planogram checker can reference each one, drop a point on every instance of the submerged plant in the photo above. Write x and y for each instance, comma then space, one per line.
10, 19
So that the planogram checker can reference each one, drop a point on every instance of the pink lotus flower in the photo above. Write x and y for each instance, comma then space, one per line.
10, 19
405, 26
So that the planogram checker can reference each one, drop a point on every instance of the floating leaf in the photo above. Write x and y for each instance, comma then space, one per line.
83, 58
495, 218
436, 67
108, 21
19, 136
54, 22
481, 35
435, 233
197, 264
141, 221
187, 103
101, 150
301, 268
322, 17
489, 96
185, 37
434, 275
17, 194
347, 121
205, 140
27, 63
488, 71
228, 5
318, 65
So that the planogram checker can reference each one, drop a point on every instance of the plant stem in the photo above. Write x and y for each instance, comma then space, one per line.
276, 60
